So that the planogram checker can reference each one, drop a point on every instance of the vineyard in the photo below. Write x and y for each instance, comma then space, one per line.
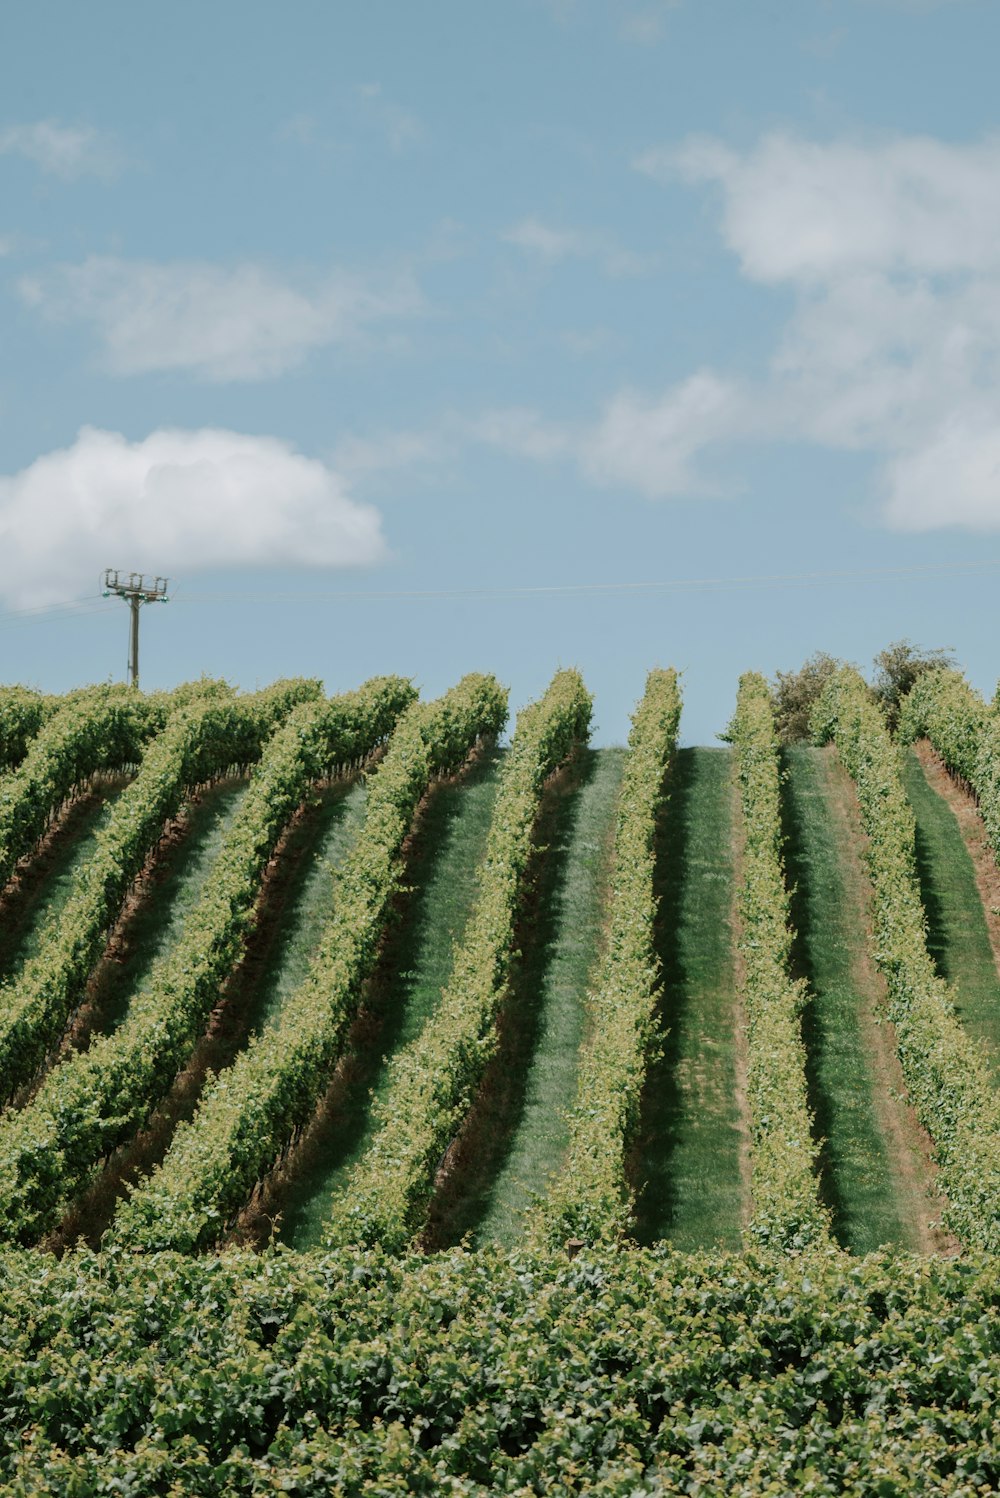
399, 1096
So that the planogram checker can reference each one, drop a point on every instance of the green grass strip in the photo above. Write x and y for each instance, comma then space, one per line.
435, 1078
861, 1184
957, 938
787, 1212
252, 1112
538, 1140
441, 867
947, 1074
688, 1173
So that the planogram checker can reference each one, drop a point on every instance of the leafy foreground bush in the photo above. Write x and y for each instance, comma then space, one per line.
615, 1373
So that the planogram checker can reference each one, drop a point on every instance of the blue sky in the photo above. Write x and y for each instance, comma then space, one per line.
462, 336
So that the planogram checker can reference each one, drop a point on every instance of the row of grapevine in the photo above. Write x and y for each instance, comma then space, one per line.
199, 743
946, 1075
102, 729
432, 1082
943, 707
787, 1212
88, 732
22, 713
591, 1199
965, 731
95, 1100
251, 1112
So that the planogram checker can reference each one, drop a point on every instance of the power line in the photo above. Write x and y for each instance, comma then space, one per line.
679, 584
94, 603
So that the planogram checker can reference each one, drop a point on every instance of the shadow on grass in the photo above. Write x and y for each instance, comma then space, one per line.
937, 927
476, 1160
413, 965
798, 780
662, 1111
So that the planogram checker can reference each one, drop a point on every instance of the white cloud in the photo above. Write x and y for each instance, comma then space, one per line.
553, 245
892, 249
175, 502
651, 444
221, 323
802, 211
952, 478
63, 150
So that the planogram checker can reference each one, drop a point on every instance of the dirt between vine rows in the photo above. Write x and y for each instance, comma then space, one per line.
909, 1143
970, 825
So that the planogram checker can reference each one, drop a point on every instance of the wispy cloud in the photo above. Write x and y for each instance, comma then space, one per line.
647, 24
552, 245
241, 322
175, 501
400, 128
66, 151
890, 250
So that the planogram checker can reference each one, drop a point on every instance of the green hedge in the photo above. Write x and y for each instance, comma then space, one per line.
96, 1100
250, 1113
591, 1199
619, 1374
946, 1073
787, 1212
432, 1082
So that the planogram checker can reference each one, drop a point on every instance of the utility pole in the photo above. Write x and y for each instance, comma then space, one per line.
136, 591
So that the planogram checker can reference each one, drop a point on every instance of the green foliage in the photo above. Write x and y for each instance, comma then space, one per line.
786, 1209
898, 667
795, 692
103, 728
96, 1100
433, 1081
615, 1374
199, 743
591, 1199
250, 1113
22, 713
946, 1073
965, 731
942, 707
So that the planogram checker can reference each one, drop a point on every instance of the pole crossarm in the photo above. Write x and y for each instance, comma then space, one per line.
136, 589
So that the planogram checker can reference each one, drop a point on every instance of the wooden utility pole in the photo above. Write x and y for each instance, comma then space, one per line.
136, 591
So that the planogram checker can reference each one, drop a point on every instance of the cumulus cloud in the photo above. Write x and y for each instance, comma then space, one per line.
892, 251
174, 502
220, 323
65, 151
